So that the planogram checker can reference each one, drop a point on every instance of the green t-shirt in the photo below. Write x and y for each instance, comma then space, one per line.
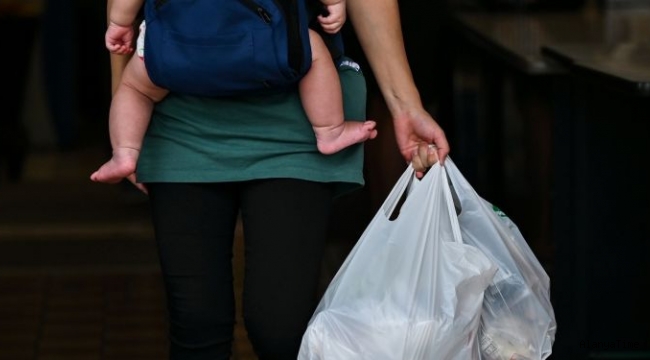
195, 139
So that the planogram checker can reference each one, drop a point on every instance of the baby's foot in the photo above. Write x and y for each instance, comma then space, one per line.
332, 140
121, 165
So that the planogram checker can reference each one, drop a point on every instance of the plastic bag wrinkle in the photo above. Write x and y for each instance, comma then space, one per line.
409, 289
518, 321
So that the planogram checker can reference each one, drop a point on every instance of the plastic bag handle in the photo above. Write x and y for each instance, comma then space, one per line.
451, 210
407, 182
449, 199
398, 190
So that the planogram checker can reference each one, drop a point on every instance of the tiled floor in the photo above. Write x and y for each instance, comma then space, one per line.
82, 316
86, 316
79, 277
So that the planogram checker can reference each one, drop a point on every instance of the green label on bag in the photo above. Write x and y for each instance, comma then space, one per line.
498, 211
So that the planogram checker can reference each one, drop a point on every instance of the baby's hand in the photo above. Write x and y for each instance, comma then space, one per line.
333, 22
119, 39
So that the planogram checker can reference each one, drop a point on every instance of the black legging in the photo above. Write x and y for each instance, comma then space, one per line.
285, 223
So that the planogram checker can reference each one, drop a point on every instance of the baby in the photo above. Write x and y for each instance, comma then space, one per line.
135, 96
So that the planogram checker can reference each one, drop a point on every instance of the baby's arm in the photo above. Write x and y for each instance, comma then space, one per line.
333, 22
120, 33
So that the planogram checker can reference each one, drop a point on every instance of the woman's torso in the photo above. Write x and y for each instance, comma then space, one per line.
192, 139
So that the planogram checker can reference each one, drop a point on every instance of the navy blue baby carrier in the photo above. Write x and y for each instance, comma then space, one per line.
226, 47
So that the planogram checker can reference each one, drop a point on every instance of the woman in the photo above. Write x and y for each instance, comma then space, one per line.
205, 161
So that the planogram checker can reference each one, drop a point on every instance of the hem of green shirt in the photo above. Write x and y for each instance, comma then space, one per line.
343, 181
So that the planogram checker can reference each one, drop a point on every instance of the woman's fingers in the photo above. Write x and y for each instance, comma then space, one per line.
423, 158
138, 185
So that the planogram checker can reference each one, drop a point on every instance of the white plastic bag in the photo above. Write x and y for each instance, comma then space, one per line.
518, 322
409, 289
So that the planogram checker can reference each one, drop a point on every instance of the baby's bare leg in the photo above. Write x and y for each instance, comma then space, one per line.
129, 117
320, 93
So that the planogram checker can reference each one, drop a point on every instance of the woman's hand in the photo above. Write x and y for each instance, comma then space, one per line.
420, 139
424, 157
139, 186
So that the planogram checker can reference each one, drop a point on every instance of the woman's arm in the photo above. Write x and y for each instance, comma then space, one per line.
378, 28
118, 62
123, 12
